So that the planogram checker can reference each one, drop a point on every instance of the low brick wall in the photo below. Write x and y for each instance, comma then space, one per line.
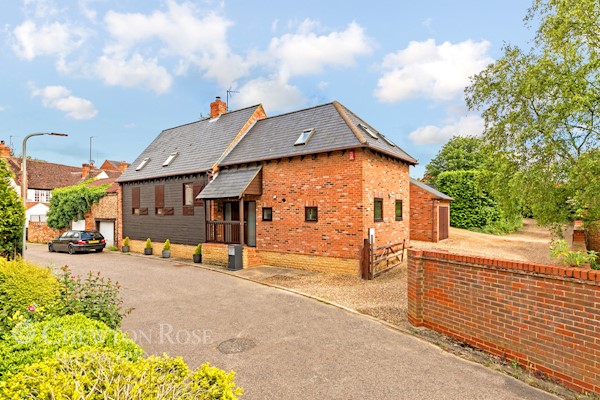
39, 232
177, 250
547, 318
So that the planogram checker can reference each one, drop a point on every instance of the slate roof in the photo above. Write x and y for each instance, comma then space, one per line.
199, 146
229, 183
431, 190
336, 128
43, 175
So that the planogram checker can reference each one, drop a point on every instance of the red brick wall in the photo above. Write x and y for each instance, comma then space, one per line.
39, 232
387, 180
423, 221
547, 318
592, 233
332, 183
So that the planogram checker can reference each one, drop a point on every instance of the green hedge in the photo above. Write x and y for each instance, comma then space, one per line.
104, 375
32, 342
473, 207
23, 285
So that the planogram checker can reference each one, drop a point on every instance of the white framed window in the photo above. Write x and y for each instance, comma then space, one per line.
142, 164
388, 141
170, 159
42, 196
304, 136
368, 131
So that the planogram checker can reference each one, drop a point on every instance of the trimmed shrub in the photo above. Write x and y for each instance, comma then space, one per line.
33, 342
101, 375
94, 296
24, 289
473, 207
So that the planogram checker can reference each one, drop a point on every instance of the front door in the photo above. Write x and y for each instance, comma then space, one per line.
250, 213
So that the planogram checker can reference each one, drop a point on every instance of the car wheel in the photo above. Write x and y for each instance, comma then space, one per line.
50, 248
71, 249
99, 250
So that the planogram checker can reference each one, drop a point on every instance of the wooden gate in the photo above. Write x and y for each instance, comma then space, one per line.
443, 222
377, 260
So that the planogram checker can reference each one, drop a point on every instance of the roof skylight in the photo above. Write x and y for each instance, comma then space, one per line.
304, 136
170, 159
142, 164
388, 141
368, 130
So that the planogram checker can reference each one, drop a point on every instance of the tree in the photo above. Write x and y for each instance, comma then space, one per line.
460, 153
71, 203
12, 215
541, 107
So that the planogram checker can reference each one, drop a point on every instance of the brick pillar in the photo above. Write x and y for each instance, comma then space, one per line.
415, 287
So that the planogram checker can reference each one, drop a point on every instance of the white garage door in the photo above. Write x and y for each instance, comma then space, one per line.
107, 229
78, 225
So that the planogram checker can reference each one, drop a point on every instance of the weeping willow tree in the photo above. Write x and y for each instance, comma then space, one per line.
541, 107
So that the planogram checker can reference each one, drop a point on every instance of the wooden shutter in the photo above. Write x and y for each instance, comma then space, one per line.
135, 197
198, 186
159, 196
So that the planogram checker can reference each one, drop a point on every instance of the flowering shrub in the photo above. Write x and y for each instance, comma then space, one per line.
94, 296
93, 374
23, 286
33, 342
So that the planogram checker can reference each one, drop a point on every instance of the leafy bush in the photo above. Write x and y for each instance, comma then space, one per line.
126, 241
94, 296
101, 375
560, 250
167, 245
38, 341
198, 250
113, 248
473, 206
148, 243
12, 215
24, 290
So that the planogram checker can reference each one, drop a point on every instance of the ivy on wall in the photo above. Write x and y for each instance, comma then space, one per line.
71, 203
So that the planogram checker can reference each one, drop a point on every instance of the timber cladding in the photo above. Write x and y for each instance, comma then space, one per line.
164, 215
545, 317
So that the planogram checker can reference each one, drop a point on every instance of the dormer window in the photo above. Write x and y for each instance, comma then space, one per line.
142, 164
304, 136
368, 131
169, 160
388, 141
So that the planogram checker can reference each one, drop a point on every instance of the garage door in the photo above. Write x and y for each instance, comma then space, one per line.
107, 229
444, 222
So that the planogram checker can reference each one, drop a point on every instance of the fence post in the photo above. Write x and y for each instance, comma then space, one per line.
365, 260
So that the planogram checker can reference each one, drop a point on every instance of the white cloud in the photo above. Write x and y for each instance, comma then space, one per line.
31, 40
306, 53
275, 95
470, 125
41, 8
59, 98
2, 108
425, 69
133, 72
87, 11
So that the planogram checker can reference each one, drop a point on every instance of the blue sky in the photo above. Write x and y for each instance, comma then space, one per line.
122, 71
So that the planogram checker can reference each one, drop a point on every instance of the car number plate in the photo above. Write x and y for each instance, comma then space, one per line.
93, 241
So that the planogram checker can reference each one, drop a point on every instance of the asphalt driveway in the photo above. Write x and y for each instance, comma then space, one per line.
281, 345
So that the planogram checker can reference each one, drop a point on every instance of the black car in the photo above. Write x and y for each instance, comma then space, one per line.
75, 241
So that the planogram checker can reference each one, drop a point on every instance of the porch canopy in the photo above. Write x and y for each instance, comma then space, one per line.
233, 184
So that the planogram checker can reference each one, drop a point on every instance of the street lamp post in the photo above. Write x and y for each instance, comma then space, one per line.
24, 179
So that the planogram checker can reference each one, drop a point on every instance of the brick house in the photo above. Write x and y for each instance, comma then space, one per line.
429, 213
157, 194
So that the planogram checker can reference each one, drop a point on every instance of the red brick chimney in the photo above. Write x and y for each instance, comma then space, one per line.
123, 166
217, 108
85, 170
4, 149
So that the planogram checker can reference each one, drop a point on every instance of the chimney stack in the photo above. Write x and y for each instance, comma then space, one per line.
123, 166
85, 170
4, 150
217, 108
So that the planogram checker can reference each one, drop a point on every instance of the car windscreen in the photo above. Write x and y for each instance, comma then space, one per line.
91, 236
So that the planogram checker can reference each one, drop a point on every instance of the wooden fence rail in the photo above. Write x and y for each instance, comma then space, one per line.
377, 260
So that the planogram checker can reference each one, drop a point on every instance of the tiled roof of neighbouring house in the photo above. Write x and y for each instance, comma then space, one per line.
196, 147
44, 175
335, 128
431, 190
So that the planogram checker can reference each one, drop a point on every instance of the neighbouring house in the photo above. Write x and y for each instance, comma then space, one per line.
429, 213
297, 190
158, 192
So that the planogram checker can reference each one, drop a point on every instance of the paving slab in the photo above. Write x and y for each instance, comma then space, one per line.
282, 345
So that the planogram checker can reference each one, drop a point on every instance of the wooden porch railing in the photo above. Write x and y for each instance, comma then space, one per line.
223, 232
